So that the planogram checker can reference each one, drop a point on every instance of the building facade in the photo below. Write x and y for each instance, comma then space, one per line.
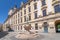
42, 15
1, 27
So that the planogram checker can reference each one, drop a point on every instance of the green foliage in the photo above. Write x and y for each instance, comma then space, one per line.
58, 26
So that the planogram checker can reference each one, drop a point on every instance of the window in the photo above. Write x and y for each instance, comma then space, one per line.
29, 17
24, 11
18, 15
29, 9
24, 18
28, 3
18, 27
21, 13
45, 24
44, 12
35, 15
36, 26
35, 6
18, 21
57, 8
21, 27
21, 19
43, 2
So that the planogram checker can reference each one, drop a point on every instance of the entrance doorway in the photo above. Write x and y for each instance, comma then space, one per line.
57, 26
45, 29
45, 25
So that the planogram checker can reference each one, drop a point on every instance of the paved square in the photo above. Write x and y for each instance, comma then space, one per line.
42, 36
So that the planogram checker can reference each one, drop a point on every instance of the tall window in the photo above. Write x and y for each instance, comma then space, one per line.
18, 21
29, 17
18, 27
35, 15
24, 18
24, 11
44, 12
21, 27
35, 6
36, 26
28, 3
21, 19
21, 13
18, 15
57, 8
43, 2
29, 9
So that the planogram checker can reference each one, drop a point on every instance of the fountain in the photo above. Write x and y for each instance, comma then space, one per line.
26, 35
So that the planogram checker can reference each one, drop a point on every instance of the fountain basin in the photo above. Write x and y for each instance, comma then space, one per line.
26, 36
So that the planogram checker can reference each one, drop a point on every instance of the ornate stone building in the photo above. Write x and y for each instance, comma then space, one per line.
42, 15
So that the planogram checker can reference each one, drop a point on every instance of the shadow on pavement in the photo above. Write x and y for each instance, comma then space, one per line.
3, 33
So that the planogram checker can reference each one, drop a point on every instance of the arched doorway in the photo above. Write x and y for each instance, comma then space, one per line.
45, 25
57, 26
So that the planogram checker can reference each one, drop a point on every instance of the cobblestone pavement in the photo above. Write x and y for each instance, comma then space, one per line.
42, 36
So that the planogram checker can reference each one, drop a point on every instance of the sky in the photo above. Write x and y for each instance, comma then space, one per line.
6, 5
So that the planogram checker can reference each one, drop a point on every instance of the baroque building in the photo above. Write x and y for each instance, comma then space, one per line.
42, 15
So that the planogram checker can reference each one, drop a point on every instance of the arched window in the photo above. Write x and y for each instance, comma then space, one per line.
57, 8
45, 24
